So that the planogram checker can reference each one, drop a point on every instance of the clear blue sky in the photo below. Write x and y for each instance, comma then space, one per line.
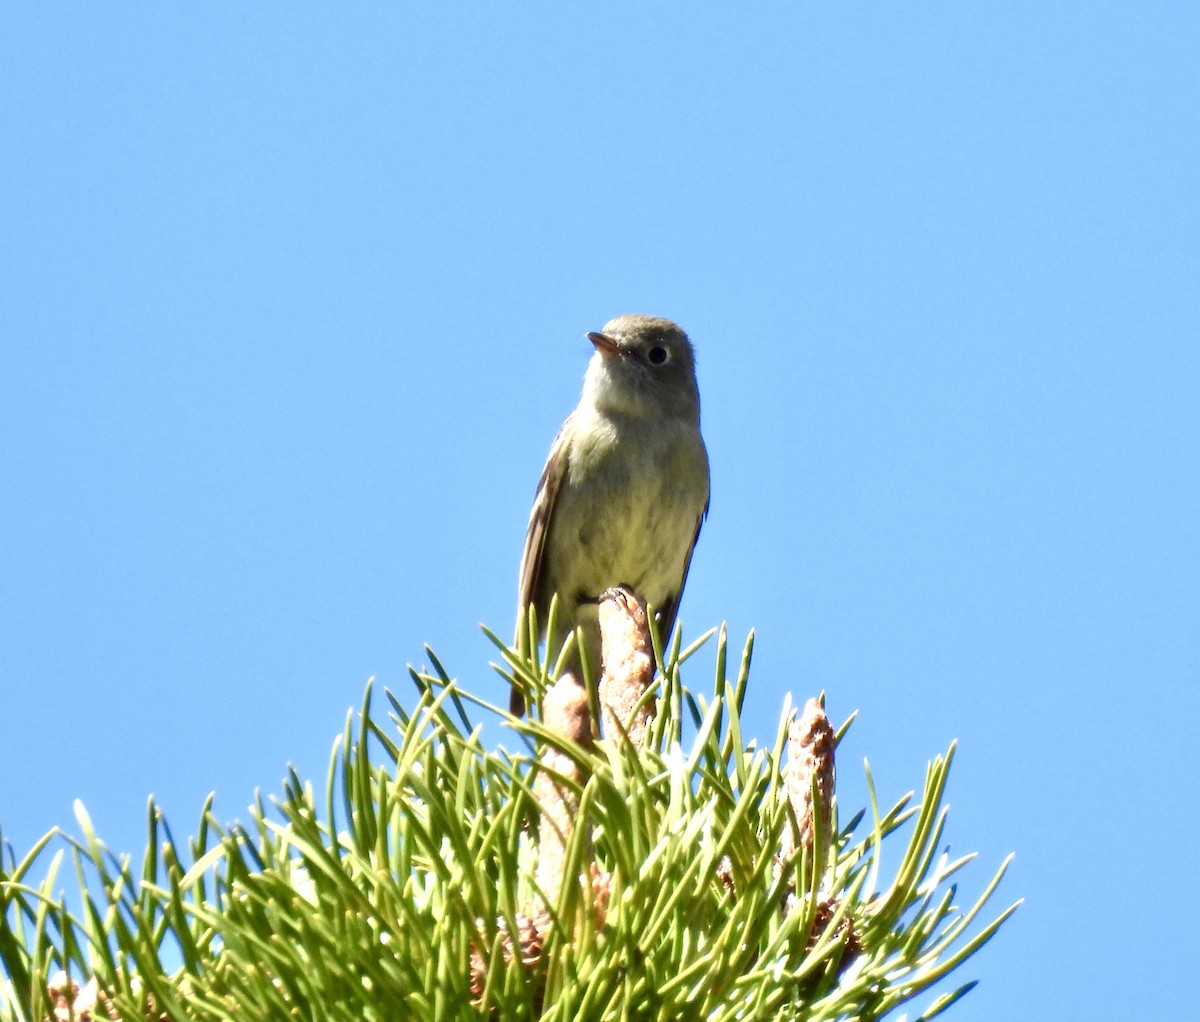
293, 300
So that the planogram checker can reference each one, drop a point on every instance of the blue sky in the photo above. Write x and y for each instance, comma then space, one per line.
294, 298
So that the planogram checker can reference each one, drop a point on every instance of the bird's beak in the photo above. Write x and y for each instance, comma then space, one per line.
604, 344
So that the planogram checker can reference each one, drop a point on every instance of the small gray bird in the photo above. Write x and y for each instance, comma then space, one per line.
625, 488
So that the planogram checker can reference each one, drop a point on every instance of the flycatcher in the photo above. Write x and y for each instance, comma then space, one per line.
625, 488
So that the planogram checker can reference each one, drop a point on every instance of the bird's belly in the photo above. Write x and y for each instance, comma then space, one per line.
635, 530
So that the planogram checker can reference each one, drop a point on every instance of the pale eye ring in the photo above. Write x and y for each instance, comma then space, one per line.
657, 355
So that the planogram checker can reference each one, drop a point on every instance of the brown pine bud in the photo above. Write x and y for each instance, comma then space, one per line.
628, 664
809, 769
564, 711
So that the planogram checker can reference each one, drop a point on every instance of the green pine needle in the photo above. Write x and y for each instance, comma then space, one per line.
401, 889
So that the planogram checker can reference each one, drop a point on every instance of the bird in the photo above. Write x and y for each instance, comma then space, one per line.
624, 491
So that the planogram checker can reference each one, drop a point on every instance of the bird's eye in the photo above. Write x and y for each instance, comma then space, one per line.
657, 355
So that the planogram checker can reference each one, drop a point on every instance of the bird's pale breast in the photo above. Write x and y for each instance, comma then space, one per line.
628, 508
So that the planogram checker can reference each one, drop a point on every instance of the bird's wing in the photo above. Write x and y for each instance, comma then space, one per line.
670, 607
535, 539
